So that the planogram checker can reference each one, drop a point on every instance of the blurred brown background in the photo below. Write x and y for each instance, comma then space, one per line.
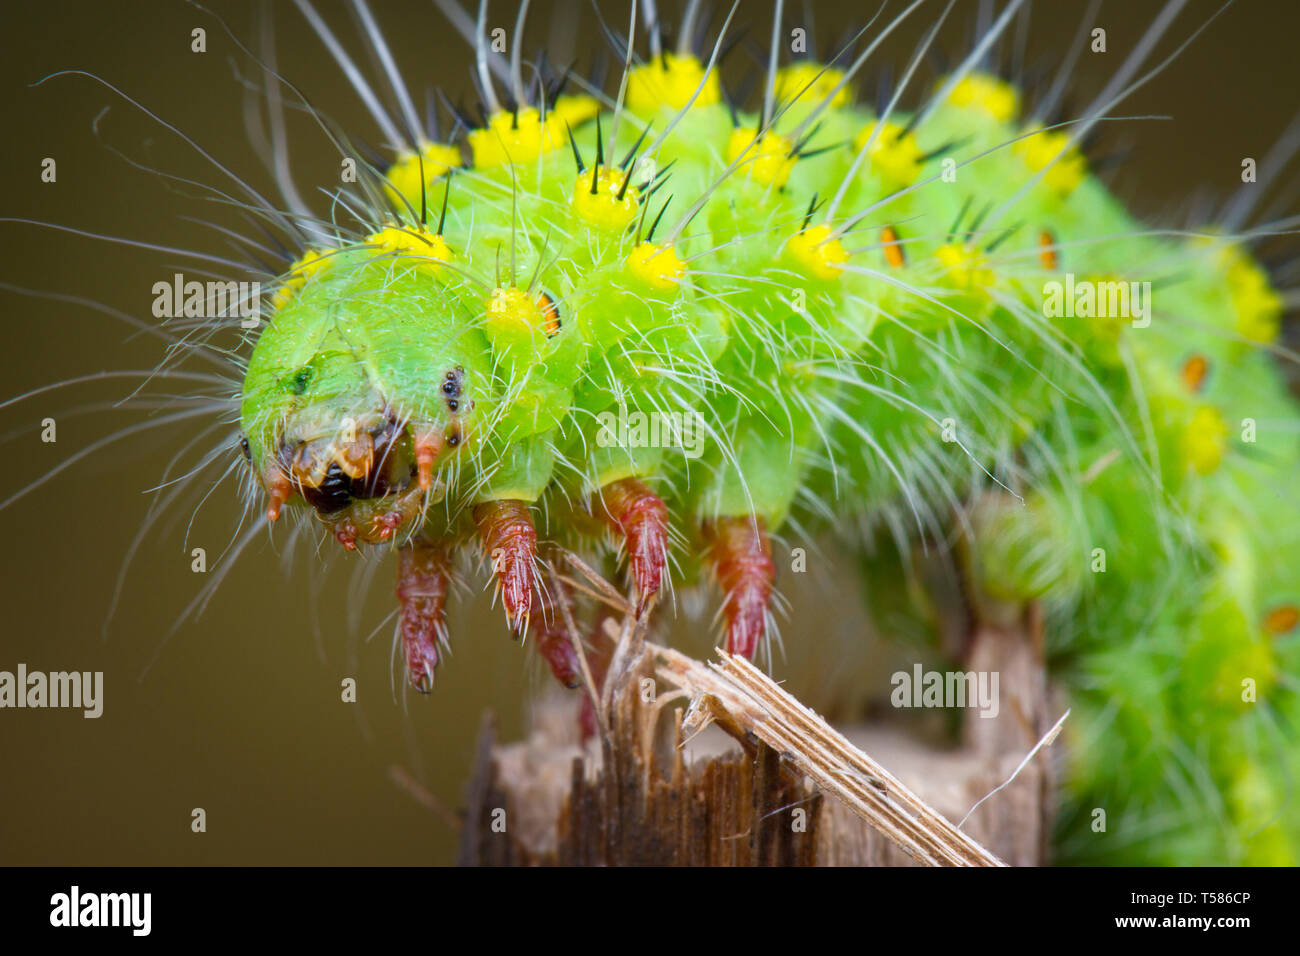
241, 712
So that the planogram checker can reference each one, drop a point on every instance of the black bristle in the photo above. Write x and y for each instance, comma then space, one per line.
947, 147
664, 172
635, 146
442, 216
812, 208
731, 107
424, 209
731, 44
461, 116
655, 225
909, 126
797, 149
577, 156
557, 89
622, 189
1003, 237
961, 214
978, 221
809, 154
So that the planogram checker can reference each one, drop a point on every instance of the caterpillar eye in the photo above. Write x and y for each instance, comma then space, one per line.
550, 314
243, 447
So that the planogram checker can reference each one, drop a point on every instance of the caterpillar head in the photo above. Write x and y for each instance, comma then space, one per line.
384, 380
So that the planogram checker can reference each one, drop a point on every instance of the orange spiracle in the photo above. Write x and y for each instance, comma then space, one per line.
1195, 370
893, 248
550, 314
1047, 252
1282, 619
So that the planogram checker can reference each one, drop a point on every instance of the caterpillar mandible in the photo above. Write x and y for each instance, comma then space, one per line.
675, 317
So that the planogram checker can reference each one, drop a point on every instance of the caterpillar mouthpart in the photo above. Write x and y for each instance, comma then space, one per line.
365, 483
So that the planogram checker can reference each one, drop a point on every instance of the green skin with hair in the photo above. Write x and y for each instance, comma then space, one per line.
891, 398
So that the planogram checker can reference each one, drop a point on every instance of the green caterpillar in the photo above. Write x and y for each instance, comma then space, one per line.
657, 317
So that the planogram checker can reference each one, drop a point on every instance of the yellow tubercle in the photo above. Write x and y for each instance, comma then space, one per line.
767, 161
1042, 148
1257, 305
811, 83
437, 159
965, 266
515, 138
988, 94
1205, 440
514, 317
604, 208
817, 252
657, 266
895, 153
668, 82
415, 244
309, 265
573, 111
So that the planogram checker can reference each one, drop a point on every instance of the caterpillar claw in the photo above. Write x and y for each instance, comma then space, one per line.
423, 582
506, 529
742, 560
641, 517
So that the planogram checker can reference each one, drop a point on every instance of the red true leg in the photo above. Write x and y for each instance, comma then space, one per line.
742, 559
510, 539
428, 444
552, 633
280, 490
423, 580
641, 517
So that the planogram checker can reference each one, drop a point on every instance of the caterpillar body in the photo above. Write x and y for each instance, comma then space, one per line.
686, 324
